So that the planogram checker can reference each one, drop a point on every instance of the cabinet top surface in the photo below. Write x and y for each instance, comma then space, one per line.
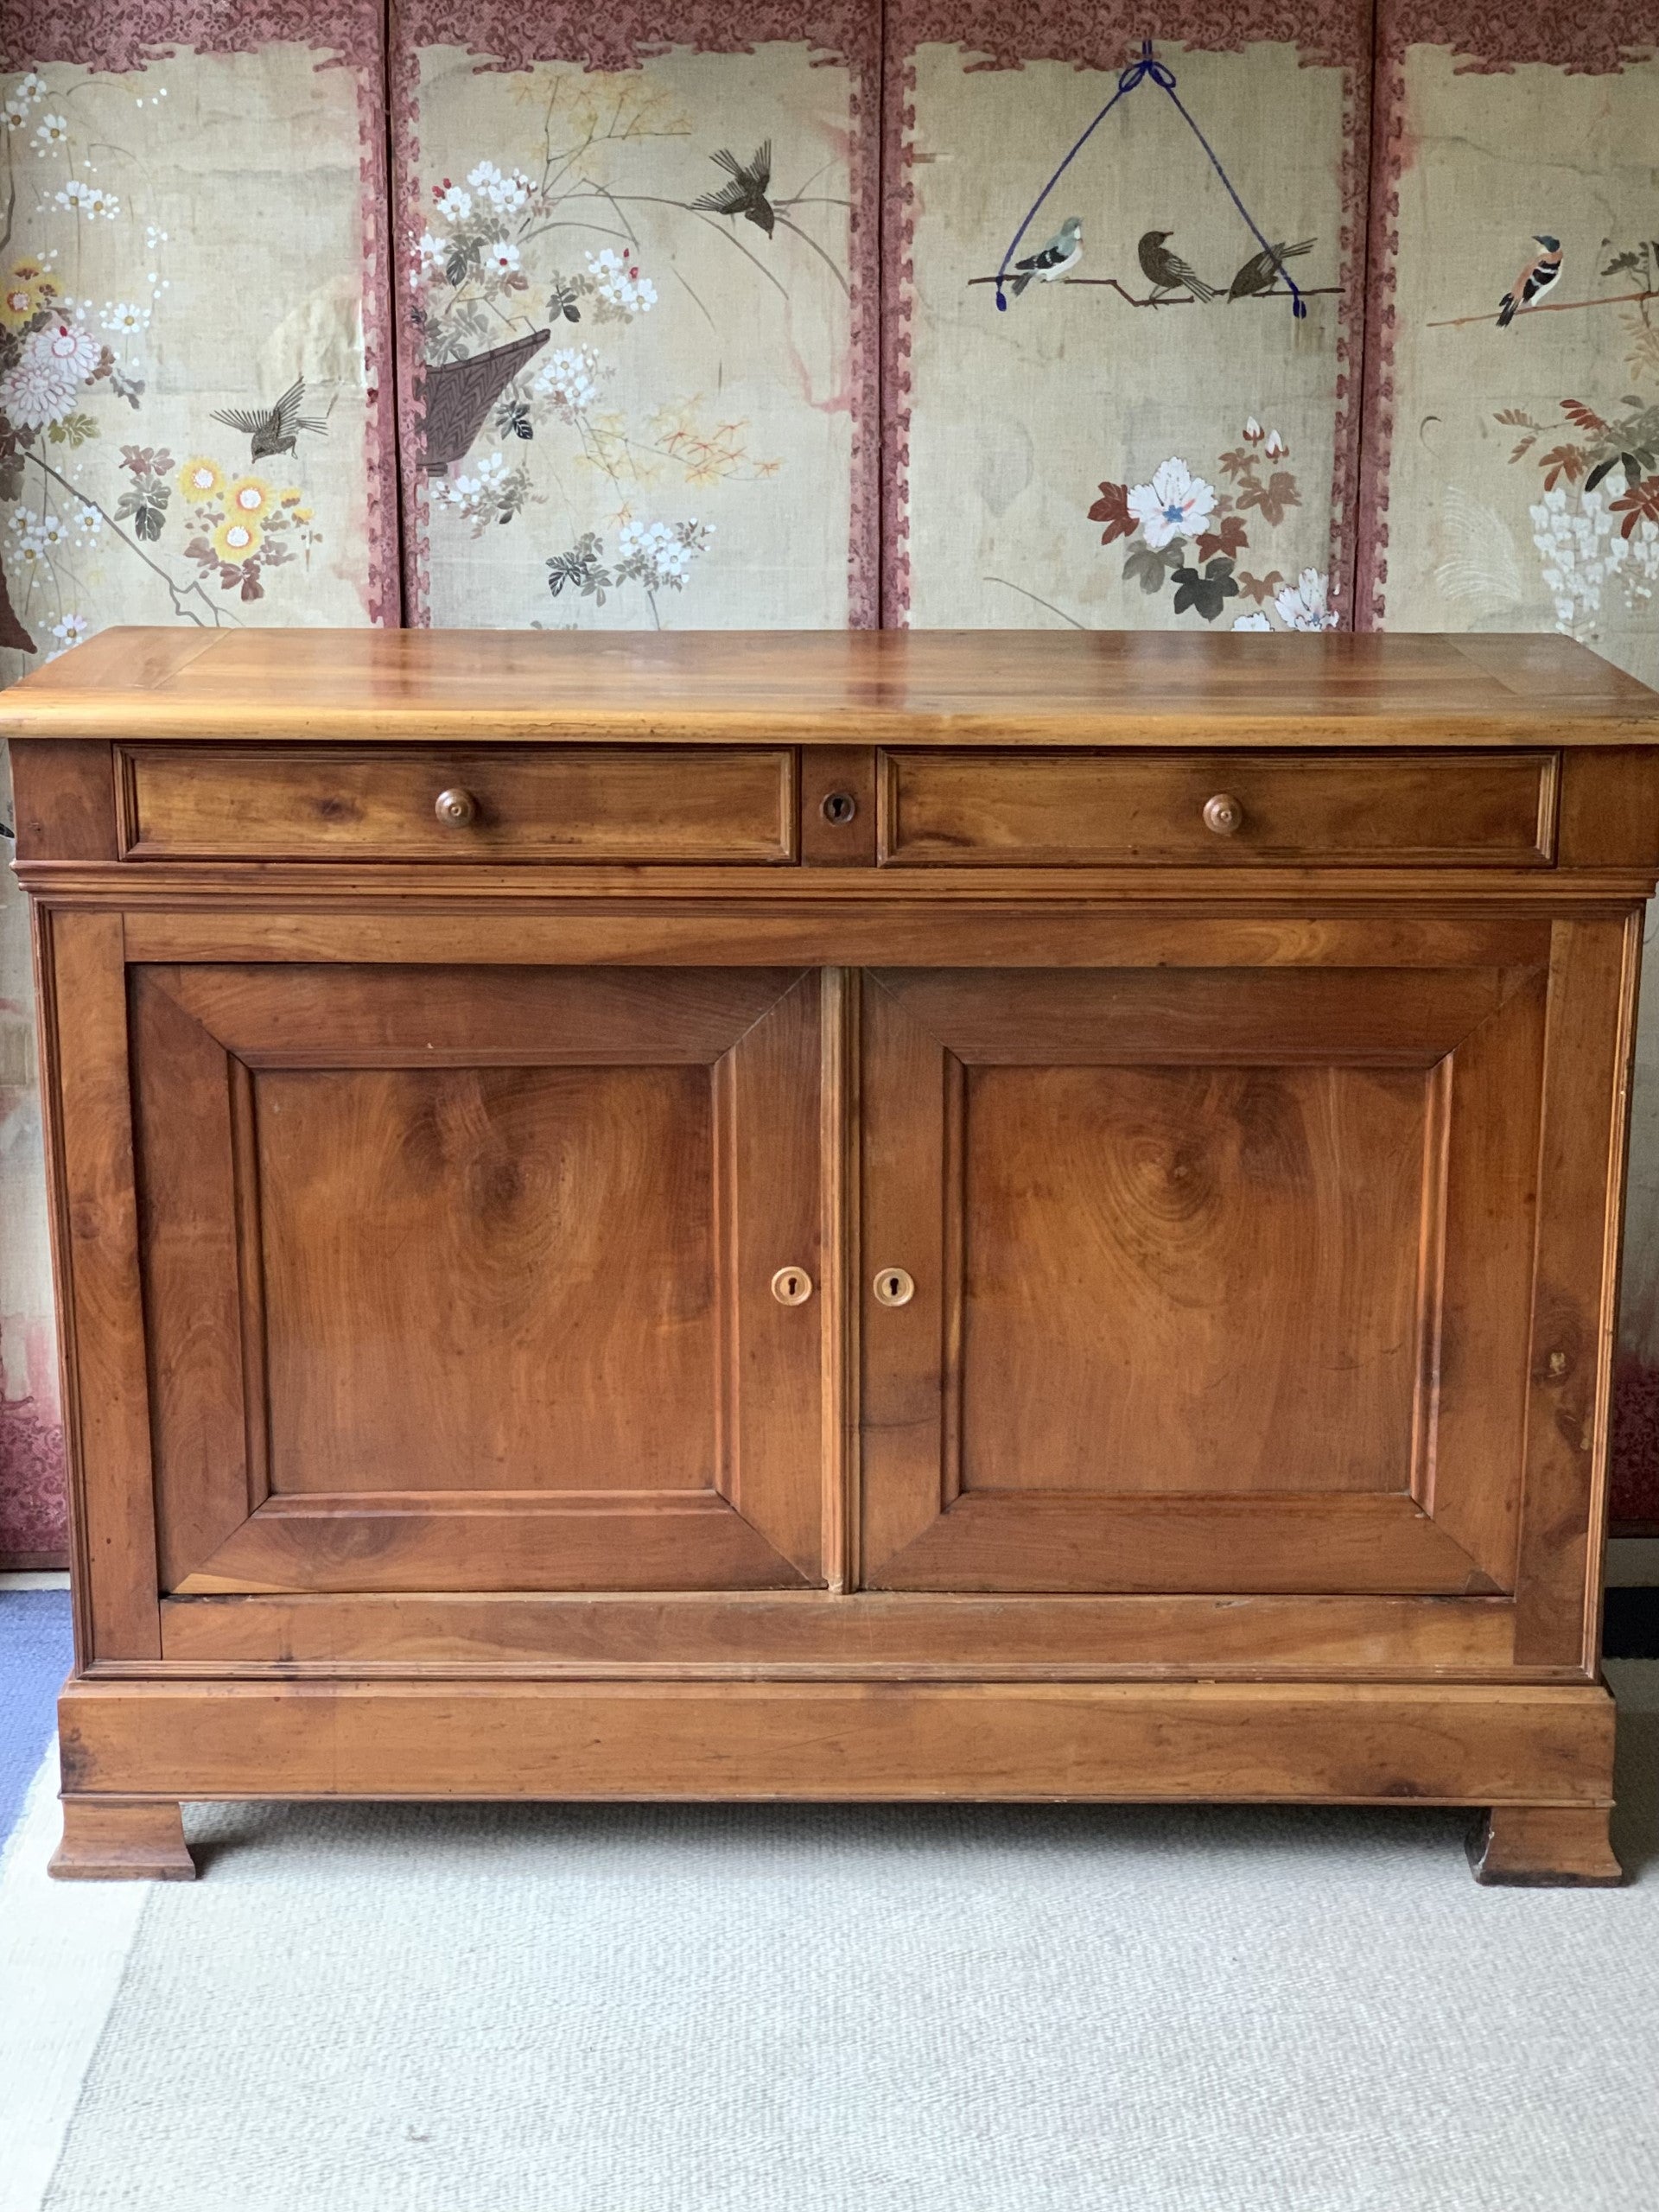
992, 687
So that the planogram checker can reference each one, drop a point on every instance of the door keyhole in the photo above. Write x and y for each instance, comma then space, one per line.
792, 1286
894, 1286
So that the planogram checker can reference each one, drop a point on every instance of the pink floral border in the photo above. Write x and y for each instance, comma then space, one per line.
1006, 34
1490, 38
34, 1504
505, 34
122, 36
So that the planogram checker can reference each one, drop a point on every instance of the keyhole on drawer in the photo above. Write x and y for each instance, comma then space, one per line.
894, 1286
792, 1286
840, 807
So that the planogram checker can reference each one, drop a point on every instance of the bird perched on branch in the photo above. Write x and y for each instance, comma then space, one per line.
1166, 272
274, 430
1262, 270
1534, 281
1062, 252
746, 194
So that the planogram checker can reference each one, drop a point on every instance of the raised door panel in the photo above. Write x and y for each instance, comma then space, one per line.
461, 1280
1223, 1278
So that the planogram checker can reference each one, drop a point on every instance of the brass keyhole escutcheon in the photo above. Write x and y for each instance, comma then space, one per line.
792, 1286
839, 807
894, 1286
1224, 815
455, 808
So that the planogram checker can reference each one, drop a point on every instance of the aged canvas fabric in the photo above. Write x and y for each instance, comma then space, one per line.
638, 314
1512, 468
195, 229
1145, 431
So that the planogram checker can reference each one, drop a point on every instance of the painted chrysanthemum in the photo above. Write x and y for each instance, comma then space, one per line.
1176, 504
200, 479
28, 289
236, 539
250, 497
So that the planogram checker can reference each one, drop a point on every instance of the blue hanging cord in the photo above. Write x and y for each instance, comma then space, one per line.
1161, 74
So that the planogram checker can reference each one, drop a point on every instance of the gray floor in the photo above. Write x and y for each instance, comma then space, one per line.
540, 2010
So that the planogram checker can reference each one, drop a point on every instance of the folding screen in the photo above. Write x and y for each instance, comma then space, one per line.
1154, 423
1512, 467
639, 312
194, 230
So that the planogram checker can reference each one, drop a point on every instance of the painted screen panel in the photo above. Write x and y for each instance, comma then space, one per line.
639, 315
194, 228
1155, 428
1512, 456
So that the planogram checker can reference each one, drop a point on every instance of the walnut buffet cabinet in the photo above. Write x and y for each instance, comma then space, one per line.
848, 1216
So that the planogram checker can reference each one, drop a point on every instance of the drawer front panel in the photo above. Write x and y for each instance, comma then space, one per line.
576, 802
1081, 809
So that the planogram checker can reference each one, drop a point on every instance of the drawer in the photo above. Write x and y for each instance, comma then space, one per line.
1094, 810
504, 802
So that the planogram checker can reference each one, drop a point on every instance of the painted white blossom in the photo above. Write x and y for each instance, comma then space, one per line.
1253, 430
617, 280
23, 95
503, 256
125, 317
89, 199
71, 631
40, 387
50, 132
434, 252
569, 378
89, 520
1257, 621
505, 194
1275, 447
1304, 607
660, 554
454, 204
1175, 504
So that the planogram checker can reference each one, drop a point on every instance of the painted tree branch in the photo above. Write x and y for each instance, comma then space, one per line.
1545, 307
1178, 299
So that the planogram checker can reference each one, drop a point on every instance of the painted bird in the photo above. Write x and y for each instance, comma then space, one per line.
746, 194
1166, 272
1534, 281
1063, 252
274, 430
1262, 270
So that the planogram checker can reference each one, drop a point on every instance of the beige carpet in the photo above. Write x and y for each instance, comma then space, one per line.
542, 2010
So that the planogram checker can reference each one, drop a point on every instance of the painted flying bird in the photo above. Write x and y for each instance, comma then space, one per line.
1166, 272
1534, 281
746, 194
274, 430
1062, 252
1262, 270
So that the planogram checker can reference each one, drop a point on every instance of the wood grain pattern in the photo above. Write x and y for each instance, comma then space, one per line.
873, 1632
63, 802
1356, 1743
870, 687
1085, 809
1589, 1037
575, 803
1539, 1846
83, 1016
122, 1840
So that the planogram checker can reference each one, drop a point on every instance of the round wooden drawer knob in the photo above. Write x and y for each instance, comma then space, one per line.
792, 1286
1224, 815
455, 808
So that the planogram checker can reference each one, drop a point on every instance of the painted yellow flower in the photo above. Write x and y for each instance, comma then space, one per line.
303, 514
27, 289
292, 497
201, 479
250, 497
237, 539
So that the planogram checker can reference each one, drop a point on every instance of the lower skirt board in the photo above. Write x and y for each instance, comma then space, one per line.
1309, 1743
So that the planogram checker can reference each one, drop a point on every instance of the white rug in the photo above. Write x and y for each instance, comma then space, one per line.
382, 2009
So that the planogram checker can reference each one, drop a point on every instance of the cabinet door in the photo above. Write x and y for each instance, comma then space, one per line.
1223, 1277
461, 1279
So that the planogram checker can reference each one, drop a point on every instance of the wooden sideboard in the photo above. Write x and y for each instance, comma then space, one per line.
1021, 1215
